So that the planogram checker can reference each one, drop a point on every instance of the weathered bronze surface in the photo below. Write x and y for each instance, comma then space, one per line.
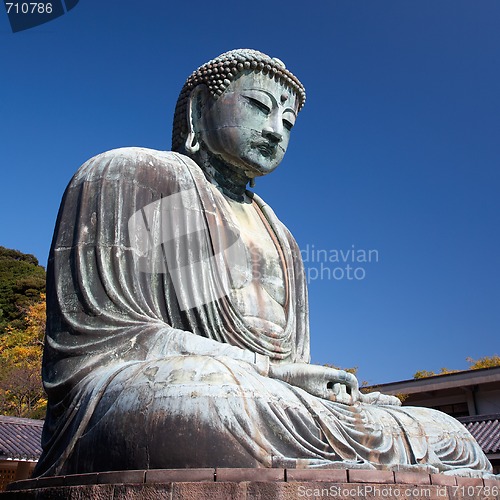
177, 332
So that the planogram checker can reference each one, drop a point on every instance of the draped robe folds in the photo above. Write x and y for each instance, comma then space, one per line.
147, 364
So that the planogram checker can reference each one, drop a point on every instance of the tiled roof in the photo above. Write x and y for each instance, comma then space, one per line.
20, 438
486, 431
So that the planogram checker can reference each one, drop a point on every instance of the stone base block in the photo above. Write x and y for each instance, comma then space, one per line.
253, 484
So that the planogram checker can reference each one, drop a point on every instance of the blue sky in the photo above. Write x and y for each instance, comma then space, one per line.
397, 150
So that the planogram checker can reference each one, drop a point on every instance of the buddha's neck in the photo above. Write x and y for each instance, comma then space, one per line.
229, 179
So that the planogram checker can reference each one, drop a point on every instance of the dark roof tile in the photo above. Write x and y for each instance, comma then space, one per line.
20, 438
486, 431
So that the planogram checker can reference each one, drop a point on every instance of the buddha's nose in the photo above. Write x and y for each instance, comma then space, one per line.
272, 134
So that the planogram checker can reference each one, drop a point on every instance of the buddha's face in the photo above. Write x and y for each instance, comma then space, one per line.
249, 124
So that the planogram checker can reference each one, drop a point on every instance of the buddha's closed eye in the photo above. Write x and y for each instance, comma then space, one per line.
258, 104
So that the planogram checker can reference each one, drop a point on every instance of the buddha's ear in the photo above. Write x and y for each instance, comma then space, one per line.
197, 96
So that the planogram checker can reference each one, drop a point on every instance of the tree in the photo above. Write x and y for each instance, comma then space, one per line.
22, 280
474, 364
484, 362
21, 390
423, 374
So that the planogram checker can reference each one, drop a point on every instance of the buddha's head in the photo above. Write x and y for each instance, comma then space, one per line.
239, 109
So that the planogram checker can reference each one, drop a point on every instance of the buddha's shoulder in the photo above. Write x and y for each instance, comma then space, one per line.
140, 164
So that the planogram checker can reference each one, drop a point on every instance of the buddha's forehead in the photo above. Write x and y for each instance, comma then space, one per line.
263, 82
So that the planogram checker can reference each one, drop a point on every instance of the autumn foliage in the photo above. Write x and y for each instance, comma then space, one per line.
21, 391
22, 327
474, 364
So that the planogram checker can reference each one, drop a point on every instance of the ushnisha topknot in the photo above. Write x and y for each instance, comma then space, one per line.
218, 73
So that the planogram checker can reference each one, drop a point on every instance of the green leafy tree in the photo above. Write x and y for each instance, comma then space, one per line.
22, 280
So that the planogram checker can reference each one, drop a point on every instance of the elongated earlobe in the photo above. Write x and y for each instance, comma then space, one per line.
192, 145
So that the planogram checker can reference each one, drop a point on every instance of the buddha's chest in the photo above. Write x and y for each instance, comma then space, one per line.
257, 279
263, 264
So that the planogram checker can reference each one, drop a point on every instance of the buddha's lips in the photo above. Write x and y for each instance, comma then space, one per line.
266, 148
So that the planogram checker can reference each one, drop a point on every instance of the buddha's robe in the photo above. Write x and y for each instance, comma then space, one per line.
151, 362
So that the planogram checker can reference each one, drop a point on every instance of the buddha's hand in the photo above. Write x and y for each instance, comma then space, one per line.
377, 398
320, 381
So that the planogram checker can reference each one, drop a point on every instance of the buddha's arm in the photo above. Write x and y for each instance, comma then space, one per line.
324, 382
321, 381
186, 343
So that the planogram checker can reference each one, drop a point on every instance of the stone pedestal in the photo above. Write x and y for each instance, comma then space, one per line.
253, 484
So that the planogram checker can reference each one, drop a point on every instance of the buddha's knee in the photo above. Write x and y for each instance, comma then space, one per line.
176, 384
155, 412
